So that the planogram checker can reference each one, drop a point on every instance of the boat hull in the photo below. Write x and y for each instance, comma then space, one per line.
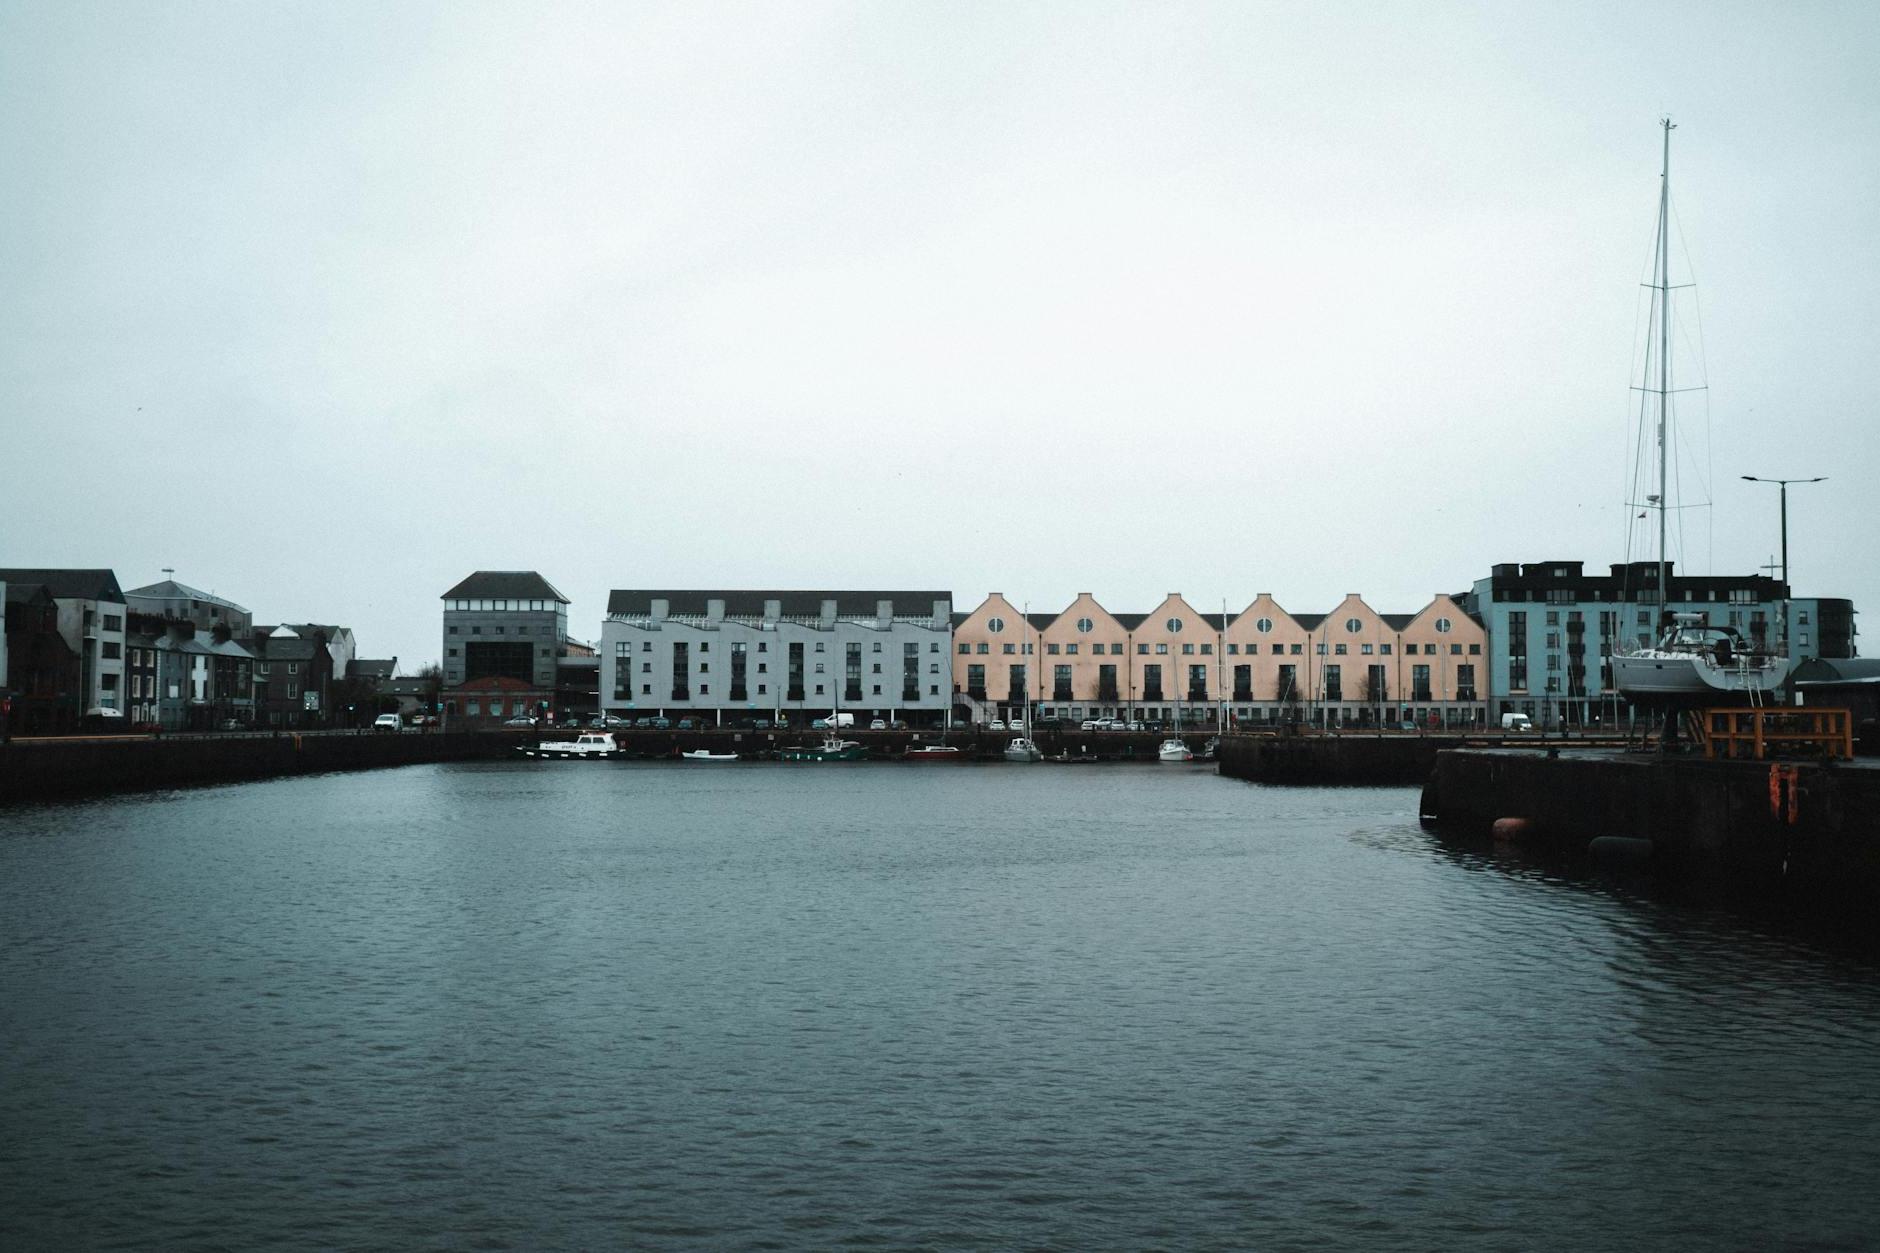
1657, 678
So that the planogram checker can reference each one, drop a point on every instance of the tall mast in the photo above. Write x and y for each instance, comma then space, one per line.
1664, 365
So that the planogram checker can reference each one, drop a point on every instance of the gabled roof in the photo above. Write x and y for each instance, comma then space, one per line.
507, 585
69, 584
358, 668
750, 604
170, 589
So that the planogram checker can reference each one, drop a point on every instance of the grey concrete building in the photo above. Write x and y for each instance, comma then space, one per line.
504, 631
1552, 629
740, 656
179, 602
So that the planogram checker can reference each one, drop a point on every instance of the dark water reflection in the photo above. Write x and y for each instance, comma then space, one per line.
578, 1005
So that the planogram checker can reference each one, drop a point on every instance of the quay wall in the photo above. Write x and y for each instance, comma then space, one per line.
76, 767
1819, 833
1321, 760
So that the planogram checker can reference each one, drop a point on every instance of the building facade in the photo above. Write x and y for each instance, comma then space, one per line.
504, 631
43, 670
742, 656
1553, 628
91, 613
1261, 666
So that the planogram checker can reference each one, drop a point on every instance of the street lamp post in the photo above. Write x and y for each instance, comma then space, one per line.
1783, 487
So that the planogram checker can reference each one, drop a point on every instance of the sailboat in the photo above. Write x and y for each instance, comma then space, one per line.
1693, 662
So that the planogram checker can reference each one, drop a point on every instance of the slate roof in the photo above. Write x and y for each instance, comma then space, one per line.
69, 584
170, 589
506, 584
363, 669
750, 604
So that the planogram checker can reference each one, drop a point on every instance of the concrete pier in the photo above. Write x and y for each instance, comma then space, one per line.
1811, 828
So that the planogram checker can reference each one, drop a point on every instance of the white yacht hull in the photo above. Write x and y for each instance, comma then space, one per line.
1656, 674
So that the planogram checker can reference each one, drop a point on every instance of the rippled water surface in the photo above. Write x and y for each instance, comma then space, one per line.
561, 1005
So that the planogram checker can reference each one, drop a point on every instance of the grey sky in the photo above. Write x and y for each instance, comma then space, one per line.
328, 305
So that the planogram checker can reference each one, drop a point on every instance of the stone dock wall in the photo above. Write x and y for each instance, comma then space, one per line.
1814, 827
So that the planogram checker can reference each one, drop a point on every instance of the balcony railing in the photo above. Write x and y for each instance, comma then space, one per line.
1152, 693
1015, 696
977, 693
1243, 694
1061, 693
794, 693
1107, 692
682, 693
852, 693
739, 693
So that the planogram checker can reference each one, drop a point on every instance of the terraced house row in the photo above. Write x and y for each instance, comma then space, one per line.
1351, 666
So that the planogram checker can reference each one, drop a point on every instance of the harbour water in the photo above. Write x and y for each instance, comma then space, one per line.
582, 1005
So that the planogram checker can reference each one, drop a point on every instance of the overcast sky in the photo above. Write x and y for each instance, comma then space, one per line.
328, 305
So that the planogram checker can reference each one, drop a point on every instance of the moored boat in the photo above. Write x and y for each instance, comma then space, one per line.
1174, 749
828, 749
705, 754
592, 745
1022, 749
934, 754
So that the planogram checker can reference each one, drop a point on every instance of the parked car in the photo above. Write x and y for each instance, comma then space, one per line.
1094, 724
820, 724
662, 724
761, 724
897, 725
520, 720
423, 720
231, 724
688, 724
878, 725
997, 724
384, 722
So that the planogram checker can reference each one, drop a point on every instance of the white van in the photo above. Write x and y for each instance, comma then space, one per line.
838, 721
1516, 722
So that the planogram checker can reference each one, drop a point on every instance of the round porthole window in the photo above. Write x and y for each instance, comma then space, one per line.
1084, 625
1174, 626
1263, 626
1353, 625
1442, 626
995, 625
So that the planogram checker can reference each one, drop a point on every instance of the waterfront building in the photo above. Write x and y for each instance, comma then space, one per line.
1552, 629
42, 669
293, 677
179, 602
91, 615
746, 655
1261, 666
503, 633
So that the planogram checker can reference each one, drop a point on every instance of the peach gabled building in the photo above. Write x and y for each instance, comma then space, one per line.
1264, 665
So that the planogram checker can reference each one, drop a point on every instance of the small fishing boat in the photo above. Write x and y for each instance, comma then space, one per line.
705, 754
588, 745
829, 749
1174, 749
934, 754
1067, 758
1022, 749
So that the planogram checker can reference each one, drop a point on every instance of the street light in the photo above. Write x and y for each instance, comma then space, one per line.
1783, 486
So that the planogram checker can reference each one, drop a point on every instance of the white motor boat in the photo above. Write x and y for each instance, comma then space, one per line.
1022, 749
705, 754
1174, 749
589, 744
1694, 663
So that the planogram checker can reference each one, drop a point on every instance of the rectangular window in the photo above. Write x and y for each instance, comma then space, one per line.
1197, 682
681, 672
910, 672
113, 622
1339, 649
1070, 649
795, 690
1233, 650
1243, 682
1465, 682
1060, 683
1376, 684
1420, 683
1288, 687
1334, 683
1106, 683
976, 681
1161, 649
112, 650
852, 672
1008, 649
1050, 650
1188, 650
1152, 682
982, 648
